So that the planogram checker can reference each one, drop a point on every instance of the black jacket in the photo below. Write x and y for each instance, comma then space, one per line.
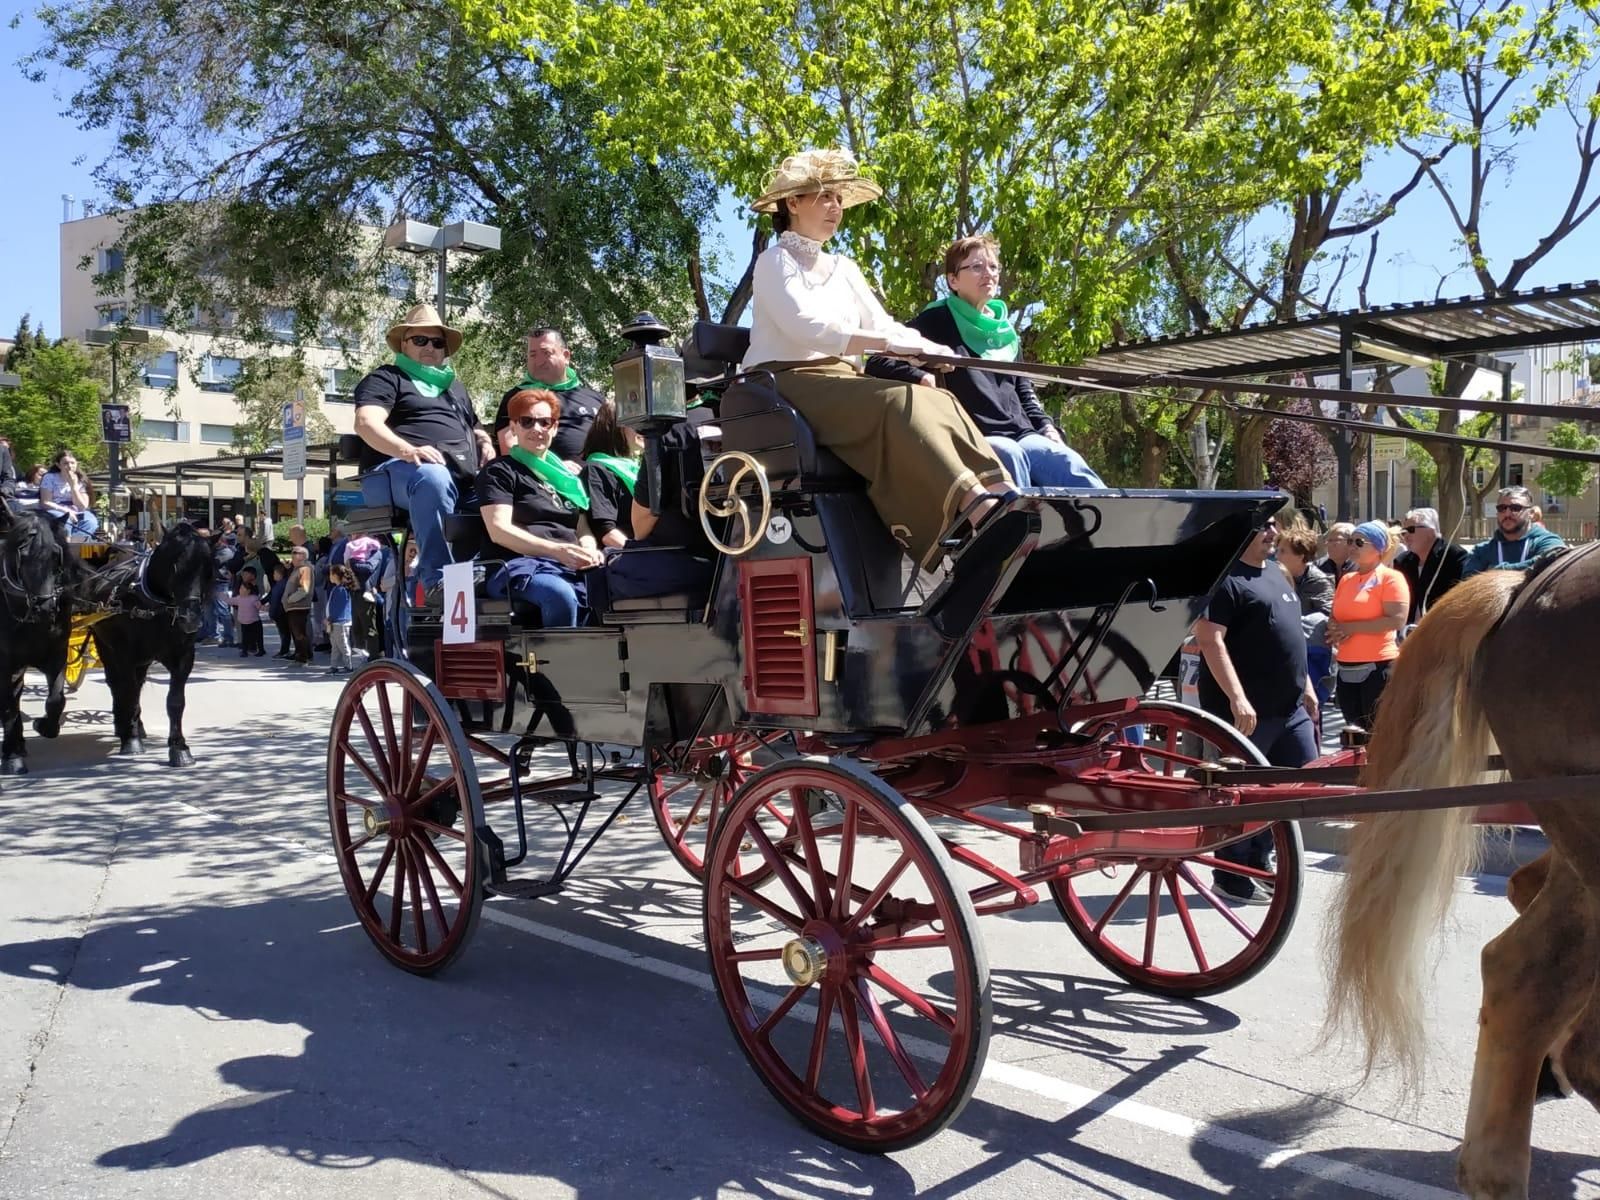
578, 407
999, 405
8, 473
1432, 579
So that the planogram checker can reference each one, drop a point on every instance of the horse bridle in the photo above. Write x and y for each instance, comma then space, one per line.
17, 596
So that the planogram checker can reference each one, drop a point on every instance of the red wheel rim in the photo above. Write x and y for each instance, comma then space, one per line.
1164, 924
690, 786
882, 1046
400, 806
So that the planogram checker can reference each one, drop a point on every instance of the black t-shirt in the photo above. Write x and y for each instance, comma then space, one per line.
535, 505
1264, 639
445, 421
682, 469
610, 501
578, 408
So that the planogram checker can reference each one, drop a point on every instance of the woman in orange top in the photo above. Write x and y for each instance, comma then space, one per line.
1369, 608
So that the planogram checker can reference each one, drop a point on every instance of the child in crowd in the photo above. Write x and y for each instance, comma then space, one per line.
247, 608
280, 615
340, 580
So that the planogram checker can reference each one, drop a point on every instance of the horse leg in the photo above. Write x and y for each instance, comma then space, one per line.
49, 725
177, 749
1531, 996
125, 681
13, 756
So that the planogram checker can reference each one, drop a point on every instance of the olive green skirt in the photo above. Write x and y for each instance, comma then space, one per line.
916, 446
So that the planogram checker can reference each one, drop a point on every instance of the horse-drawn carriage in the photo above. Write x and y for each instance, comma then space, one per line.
855, 759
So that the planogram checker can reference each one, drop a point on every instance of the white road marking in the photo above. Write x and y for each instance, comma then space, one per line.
1264, 1154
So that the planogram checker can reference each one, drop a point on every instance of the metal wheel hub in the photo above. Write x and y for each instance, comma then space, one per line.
376, 822
805, 961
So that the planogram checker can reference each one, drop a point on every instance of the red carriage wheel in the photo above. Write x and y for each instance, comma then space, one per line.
403, 804
850, 971
1164, 924
690, 784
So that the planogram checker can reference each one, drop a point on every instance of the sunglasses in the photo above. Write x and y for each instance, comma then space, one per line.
1358, 542
420, 342
1408, 529
535, 422
1512, 508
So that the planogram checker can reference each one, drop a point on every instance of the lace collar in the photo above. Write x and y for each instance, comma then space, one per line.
805, 250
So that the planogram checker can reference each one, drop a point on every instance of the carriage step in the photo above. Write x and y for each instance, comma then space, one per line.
524, 889
562, 796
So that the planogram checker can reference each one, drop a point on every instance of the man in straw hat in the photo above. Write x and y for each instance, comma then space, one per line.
421, 431
814, 316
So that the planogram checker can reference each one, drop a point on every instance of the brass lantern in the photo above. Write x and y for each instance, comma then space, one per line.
648, 380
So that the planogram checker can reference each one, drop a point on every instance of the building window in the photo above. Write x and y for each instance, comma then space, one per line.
216, 319
162, 371
339, 384
281, 322
164, 431
112, 314
110, 260
218, 374
150, 316
398, 283
216, 435
1515, 474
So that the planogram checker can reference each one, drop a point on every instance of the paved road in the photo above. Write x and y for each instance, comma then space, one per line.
186, 1009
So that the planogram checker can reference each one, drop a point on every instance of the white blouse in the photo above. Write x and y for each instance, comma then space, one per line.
802, 314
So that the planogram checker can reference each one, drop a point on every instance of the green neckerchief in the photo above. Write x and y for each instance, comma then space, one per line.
626, 469
987, 330
430, 381
566, 385
554, 472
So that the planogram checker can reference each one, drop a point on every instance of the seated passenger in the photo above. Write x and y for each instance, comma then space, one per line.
923, 459
611, 476
974, 320
548, 365
534, 507
418, 427
64, 495
677, 559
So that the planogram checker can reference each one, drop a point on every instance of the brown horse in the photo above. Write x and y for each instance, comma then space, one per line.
1517, 661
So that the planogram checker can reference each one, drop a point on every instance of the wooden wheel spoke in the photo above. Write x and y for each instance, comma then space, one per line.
876, 896
421, 802
396, 765
397, 906
1216, 902
764, 1030
744, 956
688, 817
349, 752
417, 769
821, 897
379, 871
360, 842
862, 993
916, 1003
1182, 905
1118, 901
666, 794
372, 740
847, 861
1221, 864
421, 863
856, 1047
433, 855
416, 902
779, 866
754, 898
919, 941
347, 798
819, 1038
1152, 915
441, 830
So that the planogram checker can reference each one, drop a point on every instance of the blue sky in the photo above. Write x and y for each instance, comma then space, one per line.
48, 155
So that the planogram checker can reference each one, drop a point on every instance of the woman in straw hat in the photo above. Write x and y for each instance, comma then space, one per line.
419, 428
924, 460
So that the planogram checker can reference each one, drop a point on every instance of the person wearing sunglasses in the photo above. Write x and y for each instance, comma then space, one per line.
538, 509
1370, 603
1431, 564
1518, 542
975, 321
419, 429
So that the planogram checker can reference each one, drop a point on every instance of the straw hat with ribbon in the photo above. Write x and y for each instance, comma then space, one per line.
818, 171
422, 316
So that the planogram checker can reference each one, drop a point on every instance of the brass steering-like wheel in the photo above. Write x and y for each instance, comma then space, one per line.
733, 504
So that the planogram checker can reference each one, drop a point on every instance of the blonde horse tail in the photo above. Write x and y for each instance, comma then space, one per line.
1401, 869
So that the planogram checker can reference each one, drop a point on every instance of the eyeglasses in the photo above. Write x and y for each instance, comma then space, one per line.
1512, 508
421, 342
1358, 542
535, 422
1408, 529
981, 268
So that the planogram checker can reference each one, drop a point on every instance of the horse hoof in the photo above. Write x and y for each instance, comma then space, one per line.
46, 729
131, 746
179, 756
14, 765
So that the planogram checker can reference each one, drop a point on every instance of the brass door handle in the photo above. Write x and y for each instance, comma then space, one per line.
803, 633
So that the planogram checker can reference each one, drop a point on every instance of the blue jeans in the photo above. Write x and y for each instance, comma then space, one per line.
428, 492
1285, 742
1033, 460
221, 615
558, 592
79, 524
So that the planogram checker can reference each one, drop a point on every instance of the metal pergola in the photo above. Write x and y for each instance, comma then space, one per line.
323, 458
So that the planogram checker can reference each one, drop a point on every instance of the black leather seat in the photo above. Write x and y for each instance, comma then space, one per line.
757, 420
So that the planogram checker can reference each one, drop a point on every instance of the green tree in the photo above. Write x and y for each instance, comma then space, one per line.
57, 407
1568, 478
265, 384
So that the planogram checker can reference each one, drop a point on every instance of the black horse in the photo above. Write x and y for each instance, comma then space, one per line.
155, 601
37, 572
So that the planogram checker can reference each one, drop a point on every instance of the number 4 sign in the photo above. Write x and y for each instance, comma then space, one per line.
460, 606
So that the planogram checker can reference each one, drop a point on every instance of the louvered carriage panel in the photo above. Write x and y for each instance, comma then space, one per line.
780, 658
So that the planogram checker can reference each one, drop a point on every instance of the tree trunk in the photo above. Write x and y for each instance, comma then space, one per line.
1249, 453
1153, 454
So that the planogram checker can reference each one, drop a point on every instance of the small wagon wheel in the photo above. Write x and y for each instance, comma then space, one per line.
690, 785
1166, 925
851, 973
403, 808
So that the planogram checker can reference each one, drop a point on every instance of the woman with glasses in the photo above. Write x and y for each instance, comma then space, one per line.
1005, 408
1517, 542
1370, 603
536, 508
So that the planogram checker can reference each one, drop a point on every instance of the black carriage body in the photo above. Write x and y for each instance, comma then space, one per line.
806, 631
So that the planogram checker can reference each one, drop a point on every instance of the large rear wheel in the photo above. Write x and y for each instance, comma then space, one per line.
850, 971
1182, 926
402, 804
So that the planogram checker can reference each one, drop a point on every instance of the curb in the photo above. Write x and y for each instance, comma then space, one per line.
1506, 847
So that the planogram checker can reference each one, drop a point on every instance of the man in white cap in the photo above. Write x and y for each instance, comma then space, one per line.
1431, 565
420, 430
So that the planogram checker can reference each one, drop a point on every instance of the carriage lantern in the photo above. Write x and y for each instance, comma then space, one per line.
648, 379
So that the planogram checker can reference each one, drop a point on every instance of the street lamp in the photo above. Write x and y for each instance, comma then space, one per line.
415, 237
115, 338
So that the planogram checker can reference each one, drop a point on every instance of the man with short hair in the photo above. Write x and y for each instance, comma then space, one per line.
1339, 550
549, 366
1517, 542
1431, 565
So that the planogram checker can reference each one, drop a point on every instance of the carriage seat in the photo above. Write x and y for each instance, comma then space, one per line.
756, 419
